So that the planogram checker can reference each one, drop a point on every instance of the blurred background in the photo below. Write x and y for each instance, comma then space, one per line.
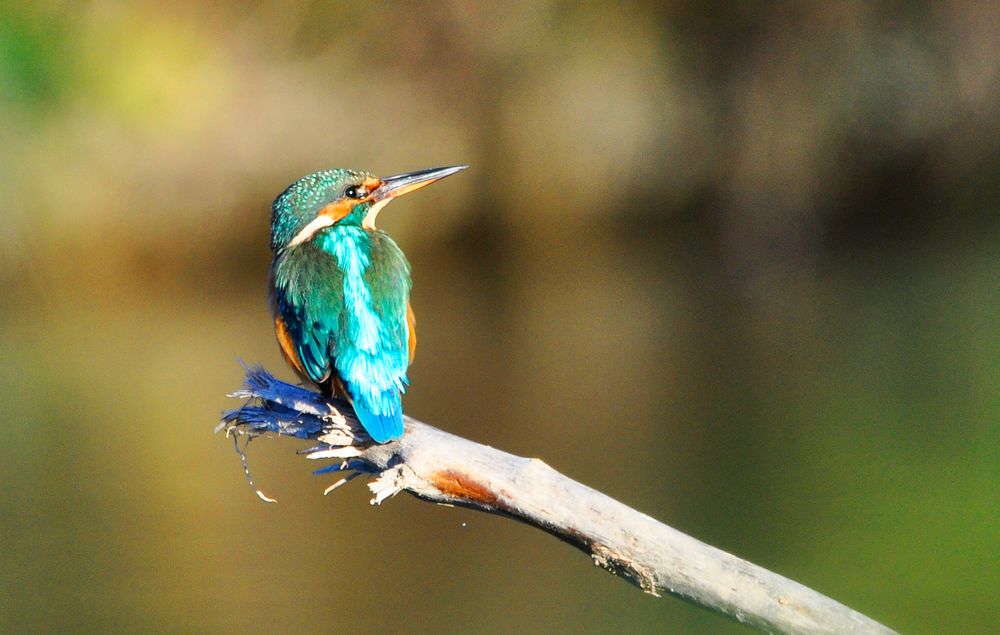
735, 264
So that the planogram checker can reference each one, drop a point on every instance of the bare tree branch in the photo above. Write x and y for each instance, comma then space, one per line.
436, 466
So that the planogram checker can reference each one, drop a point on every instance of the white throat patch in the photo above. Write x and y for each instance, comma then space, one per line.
310, 230
369, 222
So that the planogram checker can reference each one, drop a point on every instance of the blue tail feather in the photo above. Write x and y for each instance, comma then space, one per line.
382, 428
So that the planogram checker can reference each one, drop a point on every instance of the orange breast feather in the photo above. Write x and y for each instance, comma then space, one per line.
288, 347
411, 323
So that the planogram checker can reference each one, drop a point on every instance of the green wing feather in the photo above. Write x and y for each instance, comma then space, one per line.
309, 296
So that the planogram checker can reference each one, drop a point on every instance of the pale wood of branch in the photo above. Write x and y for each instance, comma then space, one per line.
437, 466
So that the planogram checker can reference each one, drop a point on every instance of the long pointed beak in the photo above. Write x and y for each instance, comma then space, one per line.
400, 184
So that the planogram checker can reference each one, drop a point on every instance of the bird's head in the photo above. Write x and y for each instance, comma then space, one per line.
340, 197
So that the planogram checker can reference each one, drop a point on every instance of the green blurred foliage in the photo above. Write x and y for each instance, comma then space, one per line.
734, 264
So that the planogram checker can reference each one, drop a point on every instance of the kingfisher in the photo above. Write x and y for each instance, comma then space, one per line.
340, 290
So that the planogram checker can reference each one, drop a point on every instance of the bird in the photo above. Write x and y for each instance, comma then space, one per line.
340, 290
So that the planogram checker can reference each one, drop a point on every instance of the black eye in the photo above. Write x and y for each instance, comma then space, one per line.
356, 192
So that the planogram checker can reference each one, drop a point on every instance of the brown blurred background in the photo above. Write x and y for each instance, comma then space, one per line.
735, 264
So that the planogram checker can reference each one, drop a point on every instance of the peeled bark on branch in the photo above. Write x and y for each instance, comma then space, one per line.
440, 467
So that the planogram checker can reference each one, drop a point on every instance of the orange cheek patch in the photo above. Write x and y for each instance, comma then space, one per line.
337, 210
